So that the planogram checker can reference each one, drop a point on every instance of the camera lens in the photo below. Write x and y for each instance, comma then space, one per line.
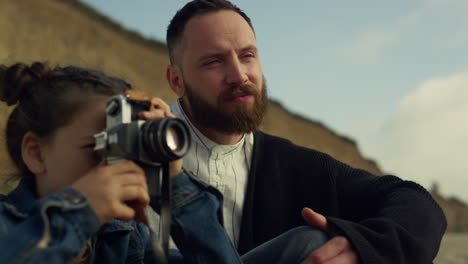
165, 140
172, 139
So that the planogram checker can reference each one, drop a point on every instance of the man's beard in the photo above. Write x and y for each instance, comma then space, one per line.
228, 117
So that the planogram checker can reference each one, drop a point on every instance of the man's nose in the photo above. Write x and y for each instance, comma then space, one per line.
236, 73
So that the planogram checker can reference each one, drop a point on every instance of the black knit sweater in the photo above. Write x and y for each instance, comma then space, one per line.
387, 220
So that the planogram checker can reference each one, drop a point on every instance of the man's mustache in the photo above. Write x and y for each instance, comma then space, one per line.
238, 91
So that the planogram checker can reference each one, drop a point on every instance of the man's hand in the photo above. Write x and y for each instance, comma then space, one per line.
337, 250
162, 110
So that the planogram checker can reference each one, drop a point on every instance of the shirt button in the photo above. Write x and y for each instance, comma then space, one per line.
75, 199
70, 197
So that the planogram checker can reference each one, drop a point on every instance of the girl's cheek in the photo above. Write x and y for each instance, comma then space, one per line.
93, 158
96, 158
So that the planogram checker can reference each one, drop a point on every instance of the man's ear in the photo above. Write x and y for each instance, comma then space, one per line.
174, 78
31, 152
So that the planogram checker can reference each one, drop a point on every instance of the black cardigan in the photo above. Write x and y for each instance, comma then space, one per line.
386, 219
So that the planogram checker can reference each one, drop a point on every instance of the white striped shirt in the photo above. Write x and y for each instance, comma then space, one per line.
224, 167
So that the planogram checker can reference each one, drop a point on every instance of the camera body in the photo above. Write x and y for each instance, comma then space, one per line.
152, 144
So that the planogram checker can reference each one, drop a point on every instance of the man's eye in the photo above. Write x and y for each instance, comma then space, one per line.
248, 56
211, 62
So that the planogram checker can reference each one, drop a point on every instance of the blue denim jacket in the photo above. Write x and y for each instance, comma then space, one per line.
54, 229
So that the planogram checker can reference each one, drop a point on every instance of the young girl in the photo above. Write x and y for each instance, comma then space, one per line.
66, 206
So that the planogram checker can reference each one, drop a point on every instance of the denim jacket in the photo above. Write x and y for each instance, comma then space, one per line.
54, 229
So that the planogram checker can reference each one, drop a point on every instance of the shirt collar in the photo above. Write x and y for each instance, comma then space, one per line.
22, 197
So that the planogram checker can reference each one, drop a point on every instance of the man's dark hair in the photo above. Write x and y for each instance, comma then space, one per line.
195, 8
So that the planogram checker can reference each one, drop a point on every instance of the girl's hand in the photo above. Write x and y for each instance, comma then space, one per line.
109, 187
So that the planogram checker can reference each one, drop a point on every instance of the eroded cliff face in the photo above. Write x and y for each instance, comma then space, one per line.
67, 32
280, 122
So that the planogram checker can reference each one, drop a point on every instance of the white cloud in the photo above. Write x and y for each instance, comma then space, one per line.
374, 41
434, 23
427, 138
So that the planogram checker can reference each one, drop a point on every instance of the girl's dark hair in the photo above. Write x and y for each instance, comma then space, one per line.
195, 8
47, 99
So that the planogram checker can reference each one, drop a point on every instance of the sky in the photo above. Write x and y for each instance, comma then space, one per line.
392, 75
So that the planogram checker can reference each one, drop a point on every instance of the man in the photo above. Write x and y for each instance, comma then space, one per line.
266, 181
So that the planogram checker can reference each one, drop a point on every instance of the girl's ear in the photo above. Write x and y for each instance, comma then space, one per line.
31, 153
174, 78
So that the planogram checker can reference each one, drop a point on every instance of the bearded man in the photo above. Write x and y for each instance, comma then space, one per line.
266, 181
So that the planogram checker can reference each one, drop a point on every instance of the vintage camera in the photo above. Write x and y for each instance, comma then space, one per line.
151, 144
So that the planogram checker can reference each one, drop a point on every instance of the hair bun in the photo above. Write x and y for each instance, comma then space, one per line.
16, 80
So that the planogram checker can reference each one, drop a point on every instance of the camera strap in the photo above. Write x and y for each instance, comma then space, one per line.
159, 186
165, 213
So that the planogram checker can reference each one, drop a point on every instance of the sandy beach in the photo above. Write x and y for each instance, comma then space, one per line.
454, 249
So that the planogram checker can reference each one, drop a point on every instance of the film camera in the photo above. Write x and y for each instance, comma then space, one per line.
150, 144
127, 136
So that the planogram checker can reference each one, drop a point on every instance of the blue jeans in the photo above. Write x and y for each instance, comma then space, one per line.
290, 247
201, 238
